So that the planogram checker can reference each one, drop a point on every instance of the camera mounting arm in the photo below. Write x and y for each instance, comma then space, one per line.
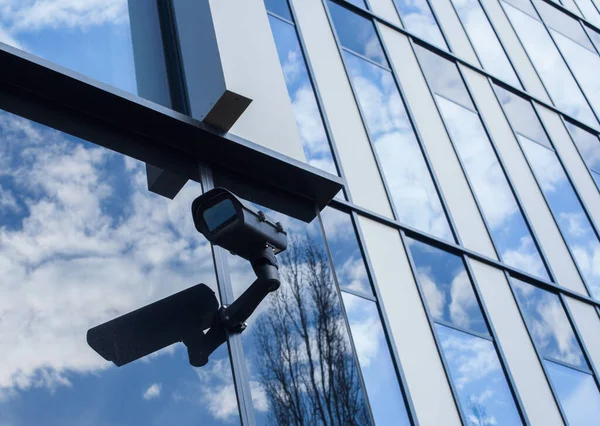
232, 319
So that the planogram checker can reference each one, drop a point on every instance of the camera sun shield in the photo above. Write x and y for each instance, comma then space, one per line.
232, 224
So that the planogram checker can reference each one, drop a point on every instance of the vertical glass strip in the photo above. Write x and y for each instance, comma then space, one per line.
376, 363
508, 228
485, 41
402, 162
417, 17
588, 145
474, 367
302, 95
574, 224
557, 79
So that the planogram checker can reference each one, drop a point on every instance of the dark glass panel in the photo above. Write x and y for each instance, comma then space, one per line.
345, 252
357, 33
483, 392
82, 241
443, 77
447, 287
279, 7
522, 116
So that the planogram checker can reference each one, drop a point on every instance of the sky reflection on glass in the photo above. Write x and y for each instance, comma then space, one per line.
308, 118
484, 40
297, 347
588, 145
483, 392
594, 36
93, 38
577, 393
357, 33
402, 162
548, 324
567, 210
345, 252
562, 23
82, 241
550, 66
418, 18
385, 396
447, 287
589, 11
279, 7
508, 228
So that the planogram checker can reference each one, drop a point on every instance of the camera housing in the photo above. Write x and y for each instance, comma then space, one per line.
233, 224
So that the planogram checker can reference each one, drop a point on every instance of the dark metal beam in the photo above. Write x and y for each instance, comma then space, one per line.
54, 96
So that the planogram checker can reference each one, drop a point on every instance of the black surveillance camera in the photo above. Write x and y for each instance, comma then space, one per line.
226, 221
233, 224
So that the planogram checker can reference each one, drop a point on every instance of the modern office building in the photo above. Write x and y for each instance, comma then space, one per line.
436, 164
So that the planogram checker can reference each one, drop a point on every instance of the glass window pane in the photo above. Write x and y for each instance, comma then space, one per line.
552, 69
588, 145
508, 228
443, 77
594, 36
345, 252
596, 177
402, 162
562, 23
584, 65
484, 40
82, 241
298, 332
475, 369
306, 110
92, 38
279, 7
359, 3
589, 11
447, 287
567, 210
522, 116
548, 324
507, 225
375, 361
357, 33
418, 18
577, 393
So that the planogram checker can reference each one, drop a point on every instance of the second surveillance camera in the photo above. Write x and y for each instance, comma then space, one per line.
227, 221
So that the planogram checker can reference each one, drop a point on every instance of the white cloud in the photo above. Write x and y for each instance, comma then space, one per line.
434, 297
153, 391
463, 300
88, 248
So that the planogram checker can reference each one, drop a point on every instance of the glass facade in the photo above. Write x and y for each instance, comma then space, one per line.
381, 318
564, 203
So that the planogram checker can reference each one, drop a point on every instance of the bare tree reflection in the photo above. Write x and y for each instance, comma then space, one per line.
305, 362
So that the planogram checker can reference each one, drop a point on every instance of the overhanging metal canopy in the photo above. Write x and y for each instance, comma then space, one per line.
67, 101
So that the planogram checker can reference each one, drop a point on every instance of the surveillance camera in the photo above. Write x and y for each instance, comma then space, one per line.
231, 223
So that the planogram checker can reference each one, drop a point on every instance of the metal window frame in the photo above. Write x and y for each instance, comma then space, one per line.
376, 298
484, 313
541, 358
539, 186
409, 114
492, 142
328, 132
487, 17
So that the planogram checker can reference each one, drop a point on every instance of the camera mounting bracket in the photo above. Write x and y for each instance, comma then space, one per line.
232, 318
